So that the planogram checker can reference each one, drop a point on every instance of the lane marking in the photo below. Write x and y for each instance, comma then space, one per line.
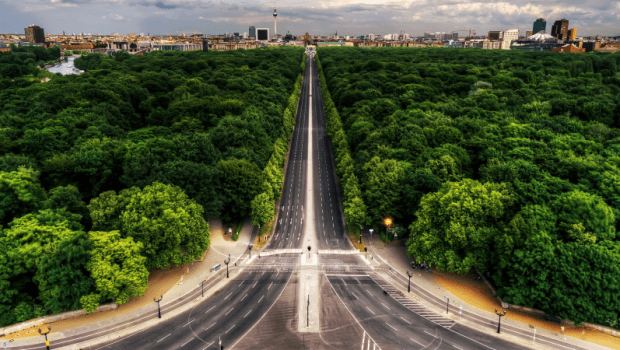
164, 338
261, 298
187, 342
405, 320
432, 335
229, 329
210, 326
210, 309
386, 306
229, 311
415, 341
370, 310
188, 323
243, 297
228, 296
247, 314
391, 327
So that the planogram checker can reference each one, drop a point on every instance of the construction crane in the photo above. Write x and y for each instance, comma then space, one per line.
471, 31
190, 31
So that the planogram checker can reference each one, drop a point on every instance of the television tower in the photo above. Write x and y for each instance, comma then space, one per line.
275, 24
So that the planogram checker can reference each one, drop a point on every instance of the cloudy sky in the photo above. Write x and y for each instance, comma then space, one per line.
352, 17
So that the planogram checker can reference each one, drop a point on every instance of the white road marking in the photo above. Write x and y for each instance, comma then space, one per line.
386, 306
415, 341
430, 334
188, 323
405, 320
164, 338
229, 329
247, 314
261, 298
391, 326
211, 326
187, 342
270, 286
243, 297
210, 309
228, 296
231, 309
370, 310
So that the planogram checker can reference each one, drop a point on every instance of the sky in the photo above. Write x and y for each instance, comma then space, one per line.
319, 17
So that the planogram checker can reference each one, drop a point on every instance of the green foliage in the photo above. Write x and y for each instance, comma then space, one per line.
168, 224
262, 209
505, 161
117, 268
20, 193
156, 144
456, 226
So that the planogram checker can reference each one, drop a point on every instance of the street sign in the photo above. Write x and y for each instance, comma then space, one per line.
4, 344
201, 283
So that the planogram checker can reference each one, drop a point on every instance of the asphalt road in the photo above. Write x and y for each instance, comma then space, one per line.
330, 232
395, 322
225, 316
290, 225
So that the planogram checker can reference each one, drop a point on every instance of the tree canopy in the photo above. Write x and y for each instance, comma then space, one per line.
503, 161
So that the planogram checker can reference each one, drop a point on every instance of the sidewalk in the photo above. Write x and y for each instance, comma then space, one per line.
475, 297
173, 284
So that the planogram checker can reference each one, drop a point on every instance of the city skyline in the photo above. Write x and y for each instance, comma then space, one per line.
352, 17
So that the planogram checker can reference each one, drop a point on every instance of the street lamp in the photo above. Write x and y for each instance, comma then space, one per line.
360, 234
371, 234
227, 262
499, 324
387, 222
250, 249
47, 342
157, 301
447, 303
409, 285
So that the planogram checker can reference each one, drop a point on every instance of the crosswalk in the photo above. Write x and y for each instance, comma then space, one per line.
411, 304
368, 343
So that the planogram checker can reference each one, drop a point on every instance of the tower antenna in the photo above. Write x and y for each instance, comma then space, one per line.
275, 22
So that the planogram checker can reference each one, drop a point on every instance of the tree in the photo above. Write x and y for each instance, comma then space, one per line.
456, 226
169, 225
20, 193
383, 188
355, 212
61, 274
595, 216
263, 209
105, 210
70, 198
117, 267
241, 182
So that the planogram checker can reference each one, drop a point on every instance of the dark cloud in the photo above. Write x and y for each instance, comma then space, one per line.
164, 6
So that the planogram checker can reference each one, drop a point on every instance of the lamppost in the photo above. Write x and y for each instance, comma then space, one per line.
227, 262
387, 222
360, 234
447, 303
250, 249
161, 296
371, 234
259, 233
499, 324
47, 342
409, 285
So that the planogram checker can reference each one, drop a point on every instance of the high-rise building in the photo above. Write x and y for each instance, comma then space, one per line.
252, 32
560, 29
262, 34
539, 24
205, 45
572, 34
35, 34
528, 33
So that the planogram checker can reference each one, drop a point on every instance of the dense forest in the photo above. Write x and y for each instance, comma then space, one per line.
114, 172
501, 161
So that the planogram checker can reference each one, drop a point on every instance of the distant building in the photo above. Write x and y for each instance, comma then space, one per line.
560, 29
252, 32
288, 37
572, 34
568, 48
495, 35
262, 34
491, 44
35, 34
205, 45
504, 39
528, 33
441, 36
539, 24
177, 47
590, 46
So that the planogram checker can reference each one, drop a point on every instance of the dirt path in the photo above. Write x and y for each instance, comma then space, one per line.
477, 294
